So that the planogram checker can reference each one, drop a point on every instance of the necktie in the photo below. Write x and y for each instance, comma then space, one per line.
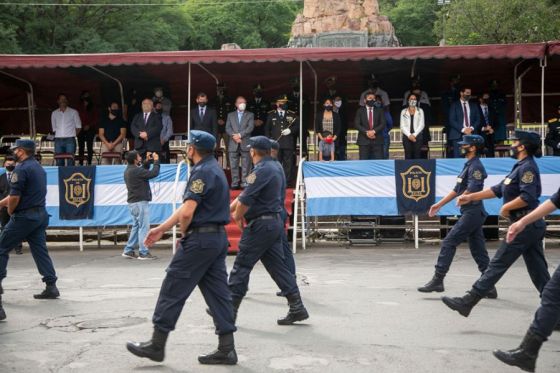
9, 176
145, 118
201, 113
281, 114
465, 115
370, 118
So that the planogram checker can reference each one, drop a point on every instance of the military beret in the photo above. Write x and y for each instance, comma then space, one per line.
201, 140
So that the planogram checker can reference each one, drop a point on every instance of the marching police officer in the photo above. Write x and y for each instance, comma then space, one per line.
260, 107
552, 138
200, 259
288, 255
282, 125
520, 191
469, 226
29, 218
260, 206
547, 317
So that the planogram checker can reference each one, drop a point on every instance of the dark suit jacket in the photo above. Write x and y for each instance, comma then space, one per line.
4, 192
153, 128
336, 123
208, 124
361, 123
275, 125
455, 123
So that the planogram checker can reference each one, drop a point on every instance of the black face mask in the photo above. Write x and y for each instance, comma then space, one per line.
10, 168
258, 94
159, 111
116, 113
284, 106
464, 152
466, 97
296, 88
328, 107
514, 152
370, 103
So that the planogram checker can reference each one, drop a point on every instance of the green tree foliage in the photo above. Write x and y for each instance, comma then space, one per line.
413, 20
501, 21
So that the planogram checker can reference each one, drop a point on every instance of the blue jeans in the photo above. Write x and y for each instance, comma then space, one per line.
64, 145
140, 212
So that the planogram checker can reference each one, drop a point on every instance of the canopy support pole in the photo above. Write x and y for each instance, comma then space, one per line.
30, 103
543, 67
189, 86
300, 110
119, 83
299, 189
314, 104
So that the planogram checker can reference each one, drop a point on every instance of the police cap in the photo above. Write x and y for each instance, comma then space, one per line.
260, 143
471, 140
527, 137
201, 140
24, 144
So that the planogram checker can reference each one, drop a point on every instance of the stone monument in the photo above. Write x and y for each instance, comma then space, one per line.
342, 23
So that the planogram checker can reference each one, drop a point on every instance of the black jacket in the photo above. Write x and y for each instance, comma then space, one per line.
209, 122
153, 128
275, 125
137, 180
337, 124
361, 123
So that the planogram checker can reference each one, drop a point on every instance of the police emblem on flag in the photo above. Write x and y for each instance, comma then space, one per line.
77, 190
416, 183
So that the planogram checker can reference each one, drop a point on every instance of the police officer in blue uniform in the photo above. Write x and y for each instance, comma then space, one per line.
469, 226
288, 255
547, 317
520, 191
200, 259
260, 207
29, 218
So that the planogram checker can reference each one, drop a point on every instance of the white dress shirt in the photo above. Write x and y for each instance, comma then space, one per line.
64, 123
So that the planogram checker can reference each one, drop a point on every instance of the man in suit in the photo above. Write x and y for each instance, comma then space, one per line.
203, 118
239, 126
223, 107
260, 107
5, 179
464, 119
282, 125
552, 138
486, 127
146, 128
370, 123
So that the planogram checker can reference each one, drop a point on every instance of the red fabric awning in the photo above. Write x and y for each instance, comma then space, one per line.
509, 51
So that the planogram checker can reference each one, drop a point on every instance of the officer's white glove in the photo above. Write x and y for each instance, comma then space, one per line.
558, 146
286, 132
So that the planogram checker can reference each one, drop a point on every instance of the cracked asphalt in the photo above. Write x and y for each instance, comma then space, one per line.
366, 316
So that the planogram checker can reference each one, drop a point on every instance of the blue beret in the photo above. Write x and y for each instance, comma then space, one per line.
527, 137
201, 140
274, 144
475, 140
260, 143
24, 144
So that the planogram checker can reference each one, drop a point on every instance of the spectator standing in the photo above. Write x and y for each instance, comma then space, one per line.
165, 102
497, 108
373, 87
203, 117
166, 132
486, 125
90, 119
146, 128
464, 119
260, 107
340, 145
412, 125
327, 128
552, 138
370, 123
112, 131
66, 124
239, 126
137, 180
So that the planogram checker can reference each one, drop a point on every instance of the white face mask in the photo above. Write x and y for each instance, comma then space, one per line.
412, 103
242, 106
338, 104
159, 94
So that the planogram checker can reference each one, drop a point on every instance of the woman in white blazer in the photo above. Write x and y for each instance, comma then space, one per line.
412, 124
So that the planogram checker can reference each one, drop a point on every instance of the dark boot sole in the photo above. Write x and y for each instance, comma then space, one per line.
37, 296
504, 359
296, 318
217, 362
135, 351
455, 307
436, 290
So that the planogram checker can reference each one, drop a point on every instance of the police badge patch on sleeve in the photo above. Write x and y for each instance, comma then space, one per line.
197, 186
14, 178
477, 175
527, 177
251, 178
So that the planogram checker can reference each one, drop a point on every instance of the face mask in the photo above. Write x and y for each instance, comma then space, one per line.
412, 103
17, 157
159, 111
242, 106
258, 94
10, 168
116, 112
328, 107
284, 106
378, 104
466, 97
464, 151
296, 88
514, 152
370, 103
338, 104
202, 104
159, 94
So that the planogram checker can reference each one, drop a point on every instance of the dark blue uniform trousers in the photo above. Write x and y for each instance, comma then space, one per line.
261, 240
527, 243
548, 314
28, 225
288, 255
200, 260
469, 226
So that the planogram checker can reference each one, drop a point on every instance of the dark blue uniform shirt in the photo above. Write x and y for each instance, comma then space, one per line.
471, 179
523, 181
556, 199
29, 182
284, 213
209, 188
263, 194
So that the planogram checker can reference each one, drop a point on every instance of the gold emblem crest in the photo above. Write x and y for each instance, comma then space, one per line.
76, 189
477, 175
416, 183
197, 186
251, 178
507, 181
14, 178
528, 177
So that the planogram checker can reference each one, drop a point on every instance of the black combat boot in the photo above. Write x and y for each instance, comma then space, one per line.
154, 349
524, 356
2, 312
50, 292
435, 284
463, 305
492, 294
224, 355
297, 311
